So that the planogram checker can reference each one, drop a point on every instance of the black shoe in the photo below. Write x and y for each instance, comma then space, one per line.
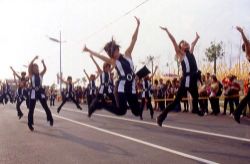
141, 118
20, 116
152, 116
237, 118
200, 113
216, 114
91, 110
194, 111
159, 120
30, 127
79, 108
51, 122
58, 110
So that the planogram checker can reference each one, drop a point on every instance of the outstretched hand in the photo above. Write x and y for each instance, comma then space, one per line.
197, 35
85, 48
239, 29
163, 28
137, 20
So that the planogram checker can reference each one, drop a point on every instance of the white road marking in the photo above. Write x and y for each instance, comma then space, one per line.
166, 126
136, 140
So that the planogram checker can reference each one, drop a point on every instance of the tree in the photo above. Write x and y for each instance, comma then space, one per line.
214, 52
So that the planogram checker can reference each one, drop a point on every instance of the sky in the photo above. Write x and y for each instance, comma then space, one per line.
26, 25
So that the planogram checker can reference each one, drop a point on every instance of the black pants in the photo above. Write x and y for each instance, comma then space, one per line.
186, 105
89, 99
19, 102
39, 95
5, 98
203, 102
121, 107
215, 105
243, 104
69, 97
193, 90
232, 102
161, 102
169, 101
52, 101
149, 105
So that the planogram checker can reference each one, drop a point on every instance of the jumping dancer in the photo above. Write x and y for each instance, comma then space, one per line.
37, 92
70, 95
246, 99
22, 91
126, 92
190, 76
106, 89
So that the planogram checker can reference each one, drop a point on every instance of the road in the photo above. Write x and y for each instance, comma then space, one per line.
105, 138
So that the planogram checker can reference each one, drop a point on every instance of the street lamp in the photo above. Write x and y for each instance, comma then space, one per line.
60, 44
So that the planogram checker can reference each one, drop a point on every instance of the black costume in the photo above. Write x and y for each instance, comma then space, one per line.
69, 95
146, 96
190, 76
37, 93
126, 91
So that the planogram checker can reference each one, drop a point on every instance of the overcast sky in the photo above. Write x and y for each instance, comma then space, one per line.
25, 25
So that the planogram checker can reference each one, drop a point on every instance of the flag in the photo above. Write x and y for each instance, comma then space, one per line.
143, 72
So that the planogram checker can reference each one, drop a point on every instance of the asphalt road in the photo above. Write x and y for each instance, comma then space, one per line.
105, 138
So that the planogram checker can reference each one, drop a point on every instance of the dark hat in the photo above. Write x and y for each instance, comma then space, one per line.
143, 72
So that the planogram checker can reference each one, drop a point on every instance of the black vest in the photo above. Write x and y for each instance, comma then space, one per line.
189, 65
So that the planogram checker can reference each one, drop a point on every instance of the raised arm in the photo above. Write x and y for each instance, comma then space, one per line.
96, 64
128, 52
31, 65
246, 42
44, 68
176, 47
194, 43
15, 79
15, 74
76, 81
102, 57
61, 79
86, 74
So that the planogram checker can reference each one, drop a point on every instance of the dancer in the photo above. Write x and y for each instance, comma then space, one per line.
6, 95
91, 88
146, 93
52, 96
37, 92
22, 91
126, 92
190, 76
106, 89
246, 99
70, 95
